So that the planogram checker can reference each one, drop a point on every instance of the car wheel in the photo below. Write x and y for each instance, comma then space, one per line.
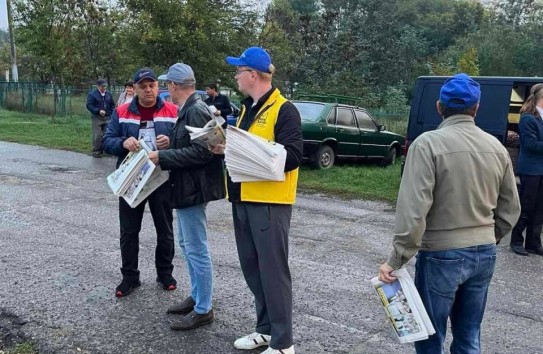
324, 157
390, 159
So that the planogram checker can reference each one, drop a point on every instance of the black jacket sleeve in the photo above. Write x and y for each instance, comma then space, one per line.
194, 153
288, 132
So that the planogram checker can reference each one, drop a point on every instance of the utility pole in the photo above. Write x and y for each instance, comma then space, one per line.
14, 71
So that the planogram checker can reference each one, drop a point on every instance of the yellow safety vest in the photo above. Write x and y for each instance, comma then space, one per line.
264, 125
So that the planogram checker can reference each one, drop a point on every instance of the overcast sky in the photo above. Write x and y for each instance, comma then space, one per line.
3, 15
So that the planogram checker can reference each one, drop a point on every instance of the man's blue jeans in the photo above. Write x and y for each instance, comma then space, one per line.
454, 283
192, 235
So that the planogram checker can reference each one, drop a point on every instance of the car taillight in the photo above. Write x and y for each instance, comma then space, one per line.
405, 147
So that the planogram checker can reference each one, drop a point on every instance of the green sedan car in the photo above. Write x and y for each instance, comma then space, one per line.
336, 131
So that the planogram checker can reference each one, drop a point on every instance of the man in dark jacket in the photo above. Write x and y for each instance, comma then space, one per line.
197, 178
220, 102
147, 116
101, 105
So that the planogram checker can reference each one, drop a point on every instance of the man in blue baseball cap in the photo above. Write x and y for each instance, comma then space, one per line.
458, 198
262, 210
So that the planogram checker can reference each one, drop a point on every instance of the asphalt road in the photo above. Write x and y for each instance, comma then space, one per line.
59, 265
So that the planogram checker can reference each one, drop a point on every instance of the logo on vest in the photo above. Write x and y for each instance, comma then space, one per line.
261, 120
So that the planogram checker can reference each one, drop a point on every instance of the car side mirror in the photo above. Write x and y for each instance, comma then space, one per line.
382, 128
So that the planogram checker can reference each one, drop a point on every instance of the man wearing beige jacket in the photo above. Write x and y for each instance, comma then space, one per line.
457, 200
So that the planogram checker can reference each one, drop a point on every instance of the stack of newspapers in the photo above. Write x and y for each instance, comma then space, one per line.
136, 177
250, 158
404, 307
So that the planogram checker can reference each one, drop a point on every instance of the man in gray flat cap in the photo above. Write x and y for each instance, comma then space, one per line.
197, 177
101, 105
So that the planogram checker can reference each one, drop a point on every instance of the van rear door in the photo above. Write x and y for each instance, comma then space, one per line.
491, 117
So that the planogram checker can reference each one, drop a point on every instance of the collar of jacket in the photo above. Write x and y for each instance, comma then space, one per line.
134, 105
457, 119
270, 95
262, 105
189, 102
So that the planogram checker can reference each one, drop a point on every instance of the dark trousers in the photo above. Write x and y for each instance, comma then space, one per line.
99, 126
262, 241
130, 220
531, 212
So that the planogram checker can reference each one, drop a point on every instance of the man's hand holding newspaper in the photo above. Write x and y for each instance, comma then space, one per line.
212, 133
137, 176
404, 308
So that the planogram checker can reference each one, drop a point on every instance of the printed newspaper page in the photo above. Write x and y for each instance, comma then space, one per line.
404, 308
137, 176
249, 157
117, 180
212, 133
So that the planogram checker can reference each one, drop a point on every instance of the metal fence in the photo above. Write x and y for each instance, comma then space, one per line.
48, 99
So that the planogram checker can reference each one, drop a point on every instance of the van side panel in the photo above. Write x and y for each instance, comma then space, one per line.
491, 117
494, 109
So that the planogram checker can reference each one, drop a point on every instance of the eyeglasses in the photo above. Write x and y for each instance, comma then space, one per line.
240, 71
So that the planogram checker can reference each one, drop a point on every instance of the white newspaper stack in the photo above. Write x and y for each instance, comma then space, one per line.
250, 158
404, 307
136, 177
212, 133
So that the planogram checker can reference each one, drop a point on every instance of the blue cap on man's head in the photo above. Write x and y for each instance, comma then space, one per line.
180, 73
255, 57
144, 74
460, 92
101, 82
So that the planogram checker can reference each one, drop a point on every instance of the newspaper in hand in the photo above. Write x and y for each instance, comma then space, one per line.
137, 176
404, 308
212, 133
250, 158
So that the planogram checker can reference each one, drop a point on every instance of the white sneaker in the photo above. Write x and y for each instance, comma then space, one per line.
270, 350
252, 341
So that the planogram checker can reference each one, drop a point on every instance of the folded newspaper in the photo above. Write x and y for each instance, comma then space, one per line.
250, 158
137, 176
212, 133
404, 307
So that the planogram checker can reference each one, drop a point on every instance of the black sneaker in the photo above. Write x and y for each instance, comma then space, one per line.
183, 308
126, 287
167, 281
192, 320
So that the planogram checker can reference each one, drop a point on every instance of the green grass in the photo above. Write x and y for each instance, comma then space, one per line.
66, 133
23, 348
357, 181
20, 348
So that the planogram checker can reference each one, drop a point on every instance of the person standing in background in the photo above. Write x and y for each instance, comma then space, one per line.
219, 101
530, 170
128, 94
101, 105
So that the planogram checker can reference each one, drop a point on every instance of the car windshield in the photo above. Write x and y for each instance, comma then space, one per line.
310, 112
